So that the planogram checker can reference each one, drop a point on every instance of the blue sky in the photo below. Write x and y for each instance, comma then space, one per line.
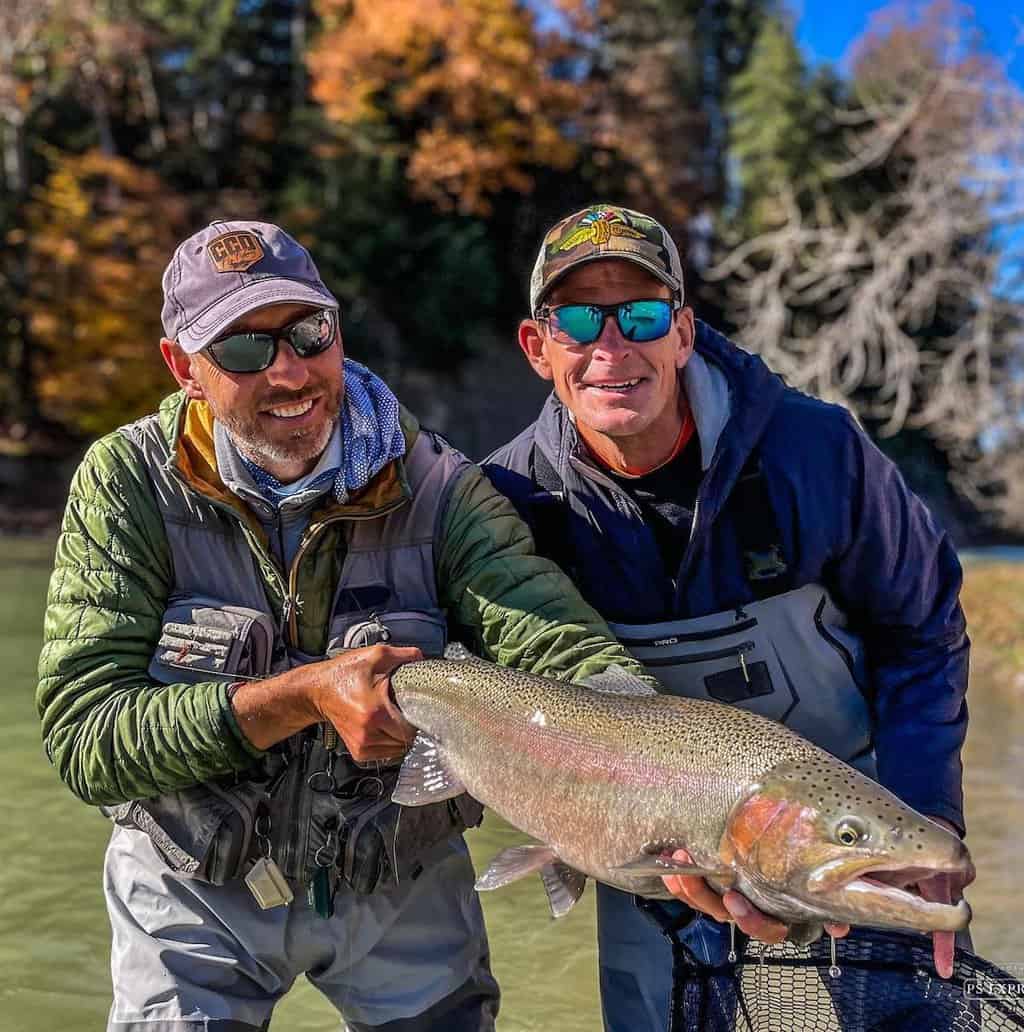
825, 28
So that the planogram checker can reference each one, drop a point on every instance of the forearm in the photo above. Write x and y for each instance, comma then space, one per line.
119, 742
520, 608
271, 710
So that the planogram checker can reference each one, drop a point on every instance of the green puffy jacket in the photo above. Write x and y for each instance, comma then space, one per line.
114, 734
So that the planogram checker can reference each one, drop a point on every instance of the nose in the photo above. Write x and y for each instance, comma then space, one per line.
287, 370
611, 342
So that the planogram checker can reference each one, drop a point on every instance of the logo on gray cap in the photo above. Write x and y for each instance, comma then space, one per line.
235, 251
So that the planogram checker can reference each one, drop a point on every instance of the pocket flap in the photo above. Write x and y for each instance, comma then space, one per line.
201, 640
425, 629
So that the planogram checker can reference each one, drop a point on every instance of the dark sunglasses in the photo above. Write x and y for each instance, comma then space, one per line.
639, 321
254, 352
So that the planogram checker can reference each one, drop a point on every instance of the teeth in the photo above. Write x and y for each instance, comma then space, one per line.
617, 386
293, 410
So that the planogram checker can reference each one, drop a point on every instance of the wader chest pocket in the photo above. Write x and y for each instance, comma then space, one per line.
203, 641
427, 630
739, 683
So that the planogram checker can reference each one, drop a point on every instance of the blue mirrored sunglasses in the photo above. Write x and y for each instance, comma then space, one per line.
638, 321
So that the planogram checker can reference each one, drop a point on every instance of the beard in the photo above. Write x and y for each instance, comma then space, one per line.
287, 446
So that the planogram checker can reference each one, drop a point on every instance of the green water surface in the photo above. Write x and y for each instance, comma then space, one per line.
54, 938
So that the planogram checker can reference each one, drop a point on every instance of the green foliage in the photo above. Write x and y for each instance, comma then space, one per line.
777, 111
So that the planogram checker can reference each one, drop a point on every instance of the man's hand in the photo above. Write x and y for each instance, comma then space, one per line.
733, 906
350, 691
944, 888
354, 695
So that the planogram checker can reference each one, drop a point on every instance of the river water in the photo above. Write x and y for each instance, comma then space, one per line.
54, 939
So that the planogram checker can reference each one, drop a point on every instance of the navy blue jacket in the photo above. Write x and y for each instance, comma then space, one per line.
846, 520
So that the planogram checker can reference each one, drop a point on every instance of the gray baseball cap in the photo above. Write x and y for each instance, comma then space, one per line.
232, 268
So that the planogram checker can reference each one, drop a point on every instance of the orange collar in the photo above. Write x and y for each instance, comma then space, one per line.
686, 432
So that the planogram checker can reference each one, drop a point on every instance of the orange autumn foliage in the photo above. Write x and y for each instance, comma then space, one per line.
100, 231
466, 85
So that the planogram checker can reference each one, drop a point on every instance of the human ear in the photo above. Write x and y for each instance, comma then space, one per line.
684, 326
531, 340
180, 364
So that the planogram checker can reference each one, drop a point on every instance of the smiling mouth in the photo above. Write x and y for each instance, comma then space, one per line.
622, 385
293, 411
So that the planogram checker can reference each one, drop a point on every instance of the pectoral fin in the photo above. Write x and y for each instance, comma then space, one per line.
514, 863
425, 777
564, 886
658, 865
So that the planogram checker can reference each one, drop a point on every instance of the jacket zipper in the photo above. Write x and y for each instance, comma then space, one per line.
706, 657
292, 601
844, 653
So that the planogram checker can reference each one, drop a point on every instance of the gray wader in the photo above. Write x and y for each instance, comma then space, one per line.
384, 919
790, 657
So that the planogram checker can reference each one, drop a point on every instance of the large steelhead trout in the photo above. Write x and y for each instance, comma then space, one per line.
610, 779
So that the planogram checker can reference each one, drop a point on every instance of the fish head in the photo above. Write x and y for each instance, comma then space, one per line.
830, 843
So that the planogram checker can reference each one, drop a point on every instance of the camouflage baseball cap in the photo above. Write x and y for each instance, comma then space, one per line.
232, 268
605, 231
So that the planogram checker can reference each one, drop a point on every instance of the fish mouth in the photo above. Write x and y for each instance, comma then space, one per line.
877, 894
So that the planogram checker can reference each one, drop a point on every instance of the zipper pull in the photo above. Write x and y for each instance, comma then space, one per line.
383, 633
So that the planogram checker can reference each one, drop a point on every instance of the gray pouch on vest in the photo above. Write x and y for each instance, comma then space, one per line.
203, 832
203, 640
383, 844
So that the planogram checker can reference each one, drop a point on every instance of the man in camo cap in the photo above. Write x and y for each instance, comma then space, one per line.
746, 542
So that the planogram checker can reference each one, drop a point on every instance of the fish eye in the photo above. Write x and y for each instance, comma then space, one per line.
849, 832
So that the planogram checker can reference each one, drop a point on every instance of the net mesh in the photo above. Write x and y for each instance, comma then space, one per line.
882, 982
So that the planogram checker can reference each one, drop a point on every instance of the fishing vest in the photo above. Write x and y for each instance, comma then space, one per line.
306, 804
790, 655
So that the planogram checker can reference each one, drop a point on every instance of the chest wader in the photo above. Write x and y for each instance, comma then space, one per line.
306, 805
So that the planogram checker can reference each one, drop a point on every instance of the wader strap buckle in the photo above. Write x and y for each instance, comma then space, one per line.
758, 531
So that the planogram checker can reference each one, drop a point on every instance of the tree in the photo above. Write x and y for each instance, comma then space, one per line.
96, 254
881, 287
465, 90
777, 116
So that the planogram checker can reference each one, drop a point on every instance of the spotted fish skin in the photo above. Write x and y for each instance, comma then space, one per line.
604, 779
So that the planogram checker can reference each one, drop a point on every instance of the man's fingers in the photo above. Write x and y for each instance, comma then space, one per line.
756, 924
393, 656
697, 894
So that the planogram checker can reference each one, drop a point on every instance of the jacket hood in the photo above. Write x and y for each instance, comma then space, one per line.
732, 395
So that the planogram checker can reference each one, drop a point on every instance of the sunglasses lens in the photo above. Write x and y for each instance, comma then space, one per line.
313, 335
243, 352
576, 324
645, 320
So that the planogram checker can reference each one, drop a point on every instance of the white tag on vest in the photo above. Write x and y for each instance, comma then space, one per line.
268, 885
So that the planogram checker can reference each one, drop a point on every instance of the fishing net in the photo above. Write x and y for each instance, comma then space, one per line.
880, 982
